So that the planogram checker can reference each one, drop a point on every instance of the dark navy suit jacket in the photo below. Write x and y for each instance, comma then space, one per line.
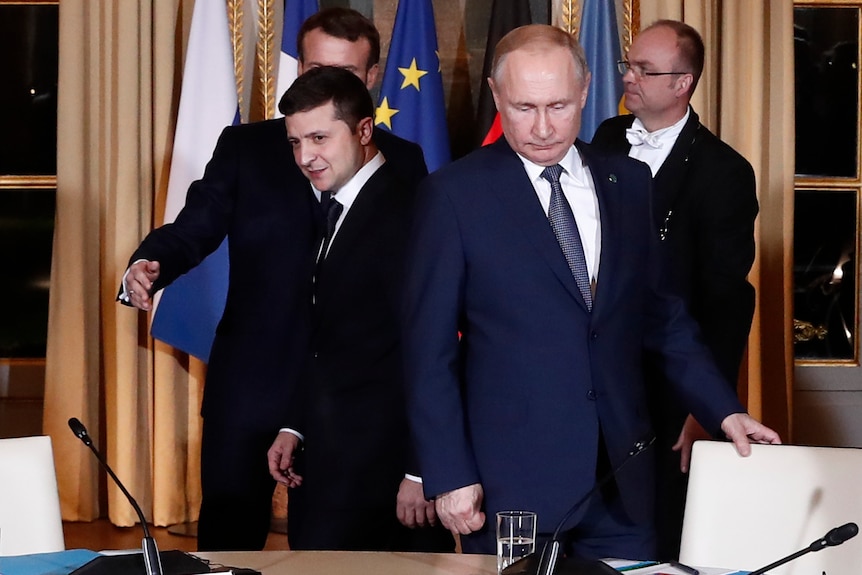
516, 404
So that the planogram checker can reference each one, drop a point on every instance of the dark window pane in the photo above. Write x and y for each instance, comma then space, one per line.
824, 274
26, 237
826, 52
28, 91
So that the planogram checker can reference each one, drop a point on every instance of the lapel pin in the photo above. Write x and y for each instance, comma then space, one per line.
612, 178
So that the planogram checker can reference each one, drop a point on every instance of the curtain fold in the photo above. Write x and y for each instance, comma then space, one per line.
119, 79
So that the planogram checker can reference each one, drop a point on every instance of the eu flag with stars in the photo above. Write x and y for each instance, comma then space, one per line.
411, 97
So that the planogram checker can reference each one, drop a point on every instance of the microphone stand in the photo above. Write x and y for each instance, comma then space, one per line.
549, 559
836, 536
152, 561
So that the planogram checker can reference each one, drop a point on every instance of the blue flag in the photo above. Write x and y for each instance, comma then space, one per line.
411, 98
600, 39
295, 13
189, 310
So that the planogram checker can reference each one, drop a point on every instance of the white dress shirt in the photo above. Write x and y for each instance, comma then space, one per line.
655, 157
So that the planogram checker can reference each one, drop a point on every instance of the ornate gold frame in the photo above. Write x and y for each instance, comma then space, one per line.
837, 183
27, 181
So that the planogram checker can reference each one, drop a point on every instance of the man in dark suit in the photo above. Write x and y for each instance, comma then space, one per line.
704, 207
349, 407
253, 193
544, 392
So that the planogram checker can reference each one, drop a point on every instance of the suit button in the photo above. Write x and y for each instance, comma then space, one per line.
594, 335
591, 395
316, 354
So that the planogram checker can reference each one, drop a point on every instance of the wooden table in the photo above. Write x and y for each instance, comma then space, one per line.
355, 562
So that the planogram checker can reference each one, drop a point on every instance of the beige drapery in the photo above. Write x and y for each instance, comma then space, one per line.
120, 72
746, 97
119, 79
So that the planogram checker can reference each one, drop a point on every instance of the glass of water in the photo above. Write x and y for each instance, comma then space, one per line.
516, 536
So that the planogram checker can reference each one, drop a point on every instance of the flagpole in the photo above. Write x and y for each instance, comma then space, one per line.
236, 19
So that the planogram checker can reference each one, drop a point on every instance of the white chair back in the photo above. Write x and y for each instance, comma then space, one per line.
748, 512
29, 502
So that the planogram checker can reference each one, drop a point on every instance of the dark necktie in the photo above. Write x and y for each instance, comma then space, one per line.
333, 211
566, 229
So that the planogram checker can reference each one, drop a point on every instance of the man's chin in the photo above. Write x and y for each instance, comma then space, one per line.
546, 156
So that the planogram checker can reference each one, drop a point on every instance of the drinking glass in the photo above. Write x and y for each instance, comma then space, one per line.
516, 536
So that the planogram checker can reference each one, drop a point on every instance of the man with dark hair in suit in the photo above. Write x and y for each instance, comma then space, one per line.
253, 193
704, 207
540, 253
349, 485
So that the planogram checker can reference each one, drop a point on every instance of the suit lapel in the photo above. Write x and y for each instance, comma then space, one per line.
361, 214
515, 192
671, 176
609, 197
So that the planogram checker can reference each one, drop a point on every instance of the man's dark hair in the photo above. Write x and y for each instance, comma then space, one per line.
324, 84
690, 46
343, 23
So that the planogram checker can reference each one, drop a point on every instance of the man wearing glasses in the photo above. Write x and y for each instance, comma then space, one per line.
704, 207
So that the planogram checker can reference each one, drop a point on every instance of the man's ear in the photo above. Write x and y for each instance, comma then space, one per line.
365, 128
586, 91
371, 76
684, 84
494, 92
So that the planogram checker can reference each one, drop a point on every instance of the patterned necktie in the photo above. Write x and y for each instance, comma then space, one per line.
566, 229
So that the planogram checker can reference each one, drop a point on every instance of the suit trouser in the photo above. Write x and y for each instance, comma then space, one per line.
605, 530
236, 487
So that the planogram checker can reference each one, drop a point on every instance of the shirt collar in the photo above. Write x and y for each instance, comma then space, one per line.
348, 193
666, 136
572, 163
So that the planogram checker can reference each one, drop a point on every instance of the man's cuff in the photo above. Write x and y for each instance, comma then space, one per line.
292, 432
415, 478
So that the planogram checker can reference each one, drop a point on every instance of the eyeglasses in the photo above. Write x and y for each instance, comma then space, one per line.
624, 66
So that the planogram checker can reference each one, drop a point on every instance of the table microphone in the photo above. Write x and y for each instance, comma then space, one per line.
836, 536
152, 561
549, 559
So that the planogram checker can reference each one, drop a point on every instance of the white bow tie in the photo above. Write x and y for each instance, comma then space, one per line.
639, 136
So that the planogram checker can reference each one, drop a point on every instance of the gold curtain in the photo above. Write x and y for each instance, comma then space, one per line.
746, 97
119, 79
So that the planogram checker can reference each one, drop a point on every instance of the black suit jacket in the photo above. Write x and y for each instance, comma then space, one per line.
704, 204
253, 193
350, 404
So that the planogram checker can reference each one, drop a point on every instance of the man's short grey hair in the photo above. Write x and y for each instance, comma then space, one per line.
539, 37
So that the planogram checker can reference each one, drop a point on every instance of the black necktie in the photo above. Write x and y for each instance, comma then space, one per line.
566, 229
333, 212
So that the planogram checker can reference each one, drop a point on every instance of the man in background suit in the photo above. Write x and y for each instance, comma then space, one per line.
704, 207
253, 193
544, 392
348, 409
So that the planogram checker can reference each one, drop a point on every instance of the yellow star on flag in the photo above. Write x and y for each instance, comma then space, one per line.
411, 75
384, 113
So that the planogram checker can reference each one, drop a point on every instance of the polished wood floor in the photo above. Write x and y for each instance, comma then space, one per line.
101, 534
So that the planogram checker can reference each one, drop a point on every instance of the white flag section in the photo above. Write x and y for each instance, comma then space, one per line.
190, 308
208, 100
295, 13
